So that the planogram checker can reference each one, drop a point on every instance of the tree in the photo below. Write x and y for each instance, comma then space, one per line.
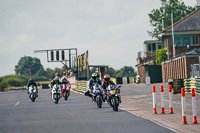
111, 72
126, 71
177, 7
28, 66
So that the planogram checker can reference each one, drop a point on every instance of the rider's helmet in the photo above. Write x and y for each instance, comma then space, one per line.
56, 79
106, 77
57, 74
31, 80
94, 76
64, 78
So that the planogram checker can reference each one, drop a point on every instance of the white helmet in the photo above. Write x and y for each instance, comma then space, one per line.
56, 78
64, 78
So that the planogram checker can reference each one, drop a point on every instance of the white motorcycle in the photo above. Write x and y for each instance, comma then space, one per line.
56, 93
32, 93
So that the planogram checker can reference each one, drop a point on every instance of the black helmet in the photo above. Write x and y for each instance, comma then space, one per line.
31, 80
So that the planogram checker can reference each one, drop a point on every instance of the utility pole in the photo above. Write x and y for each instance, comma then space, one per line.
174, 52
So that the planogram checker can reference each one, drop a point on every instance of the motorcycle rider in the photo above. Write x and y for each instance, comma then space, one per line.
106, 82
92, 81
137, 78
97, 74
65, 81
32, 82
53, 82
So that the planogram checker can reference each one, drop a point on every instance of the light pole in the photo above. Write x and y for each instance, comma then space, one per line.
173, 35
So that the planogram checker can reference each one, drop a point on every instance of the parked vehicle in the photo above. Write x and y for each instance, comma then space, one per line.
97, 94
137, 80
32, 93
113, 96
56, 93
66, 91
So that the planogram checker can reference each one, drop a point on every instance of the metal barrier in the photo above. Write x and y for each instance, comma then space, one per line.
80, 86
192, 83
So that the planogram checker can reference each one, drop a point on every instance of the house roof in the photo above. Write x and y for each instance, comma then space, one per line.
191, 22
152, 41
189, 52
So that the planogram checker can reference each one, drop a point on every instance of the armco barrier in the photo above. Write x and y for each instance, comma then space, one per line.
114, 80
124, 80
119, 80
192, 83
44, 86
131, 80
81, 86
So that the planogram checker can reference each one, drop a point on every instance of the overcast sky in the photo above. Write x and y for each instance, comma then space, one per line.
113, 31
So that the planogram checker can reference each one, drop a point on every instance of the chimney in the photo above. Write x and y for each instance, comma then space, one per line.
198, 4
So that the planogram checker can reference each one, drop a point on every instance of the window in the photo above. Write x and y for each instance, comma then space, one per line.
165, 42
177, 40
185, 40
159, 46
194, 40
149, 47
153, 47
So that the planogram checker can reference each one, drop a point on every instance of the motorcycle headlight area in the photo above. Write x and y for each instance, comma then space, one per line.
112, 92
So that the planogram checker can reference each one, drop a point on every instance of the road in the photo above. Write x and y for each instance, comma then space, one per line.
77, 115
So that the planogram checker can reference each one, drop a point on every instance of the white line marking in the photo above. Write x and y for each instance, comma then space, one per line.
17, 103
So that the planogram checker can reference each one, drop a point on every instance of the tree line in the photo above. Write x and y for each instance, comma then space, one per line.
31, 67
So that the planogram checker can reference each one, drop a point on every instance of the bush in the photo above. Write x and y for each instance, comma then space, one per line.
160, 56
12, 80
3, 85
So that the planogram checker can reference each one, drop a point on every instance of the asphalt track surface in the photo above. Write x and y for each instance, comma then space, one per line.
76, 115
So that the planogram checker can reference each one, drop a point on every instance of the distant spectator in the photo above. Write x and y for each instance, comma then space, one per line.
97, 74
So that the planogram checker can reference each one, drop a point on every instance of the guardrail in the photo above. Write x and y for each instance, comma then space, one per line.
80, 86
192, 83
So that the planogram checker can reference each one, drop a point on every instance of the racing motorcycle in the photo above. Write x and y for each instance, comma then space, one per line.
97, 93
66, 91
56, 93
113, 96
32, 93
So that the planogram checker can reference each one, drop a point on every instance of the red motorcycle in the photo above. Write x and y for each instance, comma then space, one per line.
66, 91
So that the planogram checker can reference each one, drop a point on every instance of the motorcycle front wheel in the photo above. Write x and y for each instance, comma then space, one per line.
56, 98
33, 97
99, 101
66, 95
115, 104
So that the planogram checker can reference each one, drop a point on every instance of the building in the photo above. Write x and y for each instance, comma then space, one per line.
145, 64
182, 53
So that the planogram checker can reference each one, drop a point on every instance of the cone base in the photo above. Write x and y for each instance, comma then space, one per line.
195, 123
